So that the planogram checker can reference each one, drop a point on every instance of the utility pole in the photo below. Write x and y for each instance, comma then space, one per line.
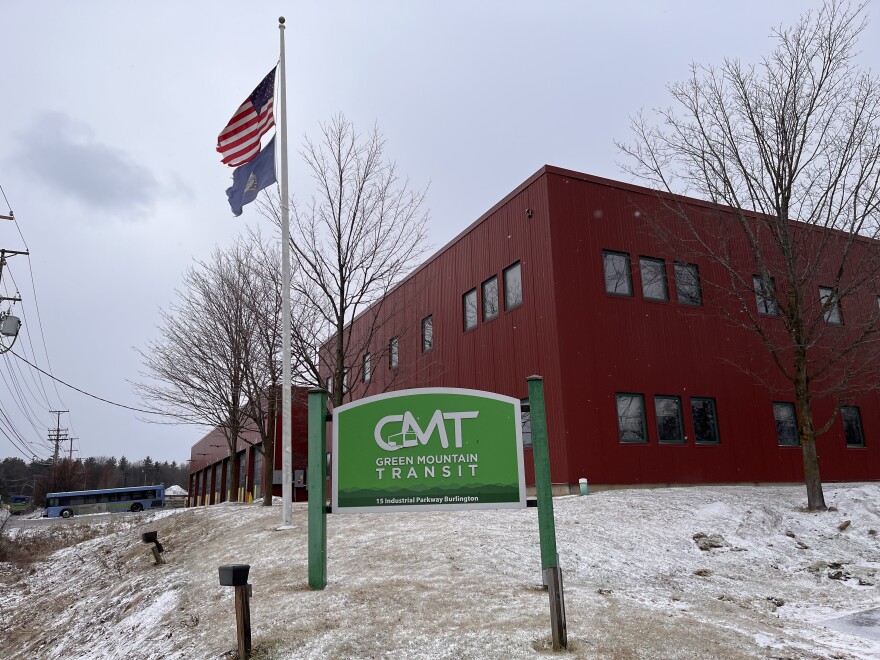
9, 324
70, 454
3, 255
58, 435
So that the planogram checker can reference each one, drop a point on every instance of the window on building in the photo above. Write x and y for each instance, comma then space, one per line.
687, 284
513, 293
328, 384
765, 295
344, 381
653, 272
852, 426
490, 298
631, 418
526, 418
427, 333
469, 304
394, 353
670, 428
618, 280
786, 424
705, 421
832, 312
258, 471
366, 373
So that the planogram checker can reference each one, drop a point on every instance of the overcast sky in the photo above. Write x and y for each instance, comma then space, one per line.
111, 110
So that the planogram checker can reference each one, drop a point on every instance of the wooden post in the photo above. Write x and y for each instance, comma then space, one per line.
243, 620
317, 488
558, 628
157, 556
546, 525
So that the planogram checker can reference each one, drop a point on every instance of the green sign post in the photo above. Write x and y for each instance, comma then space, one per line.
427, 449
546, 524
317, 483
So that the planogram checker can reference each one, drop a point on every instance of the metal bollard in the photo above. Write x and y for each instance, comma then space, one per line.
236, 575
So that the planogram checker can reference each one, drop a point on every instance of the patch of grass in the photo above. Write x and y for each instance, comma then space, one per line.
29, 547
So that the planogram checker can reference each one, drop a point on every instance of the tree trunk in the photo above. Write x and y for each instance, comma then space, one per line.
269, 451
815, 495
807, 434
233, 486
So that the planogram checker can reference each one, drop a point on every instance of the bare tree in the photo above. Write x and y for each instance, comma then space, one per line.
792, 146
197, 368
264, 291
359, 235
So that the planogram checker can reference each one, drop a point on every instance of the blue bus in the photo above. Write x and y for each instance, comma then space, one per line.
78, 502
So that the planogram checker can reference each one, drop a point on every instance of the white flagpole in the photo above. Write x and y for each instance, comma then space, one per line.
286, 448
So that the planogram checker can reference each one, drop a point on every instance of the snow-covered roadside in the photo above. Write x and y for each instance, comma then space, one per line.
467, 584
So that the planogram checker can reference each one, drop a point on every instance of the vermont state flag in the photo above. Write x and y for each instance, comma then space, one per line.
251, 178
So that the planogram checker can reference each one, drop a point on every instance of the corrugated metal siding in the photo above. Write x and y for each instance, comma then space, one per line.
210, 453
498, 355
613, 344
589, 345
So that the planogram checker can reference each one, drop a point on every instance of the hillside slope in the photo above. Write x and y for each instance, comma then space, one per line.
464, 584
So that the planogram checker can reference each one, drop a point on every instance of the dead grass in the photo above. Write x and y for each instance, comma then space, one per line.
27, 547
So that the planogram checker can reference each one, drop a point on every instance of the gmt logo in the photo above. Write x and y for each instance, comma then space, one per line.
395, 432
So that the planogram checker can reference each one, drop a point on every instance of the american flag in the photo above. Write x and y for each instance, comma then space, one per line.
239, 142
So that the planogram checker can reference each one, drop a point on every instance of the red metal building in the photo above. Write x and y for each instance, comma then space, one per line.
563, 278
210, 478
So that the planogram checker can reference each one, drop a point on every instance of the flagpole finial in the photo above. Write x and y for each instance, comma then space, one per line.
281, 20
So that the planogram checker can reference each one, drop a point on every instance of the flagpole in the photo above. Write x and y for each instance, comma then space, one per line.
286, 448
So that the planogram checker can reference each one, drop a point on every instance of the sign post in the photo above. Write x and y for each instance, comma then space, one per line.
546, 524
317, 488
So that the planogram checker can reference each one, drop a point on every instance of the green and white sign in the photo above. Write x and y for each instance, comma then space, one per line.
428, 449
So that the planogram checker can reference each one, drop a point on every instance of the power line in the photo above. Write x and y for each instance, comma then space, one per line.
30, 343
13, 443
94, 396
9, 206
19, 398
14, 436
39, 317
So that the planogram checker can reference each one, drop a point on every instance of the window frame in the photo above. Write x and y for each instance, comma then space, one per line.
394, 352
628, 270
704, 399
826, 292
494, 297
366, 371
761, 296
860, 428
464, 308
526, 420
681, 434
664, 280
677, 268
516, 266
791, 406
428, 337
620, 431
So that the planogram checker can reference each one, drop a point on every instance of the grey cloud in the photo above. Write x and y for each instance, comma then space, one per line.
65, 155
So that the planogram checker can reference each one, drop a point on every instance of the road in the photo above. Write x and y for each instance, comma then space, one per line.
34, 520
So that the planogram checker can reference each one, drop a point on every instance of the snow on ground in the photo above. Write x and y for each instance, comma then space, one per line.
466, 584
